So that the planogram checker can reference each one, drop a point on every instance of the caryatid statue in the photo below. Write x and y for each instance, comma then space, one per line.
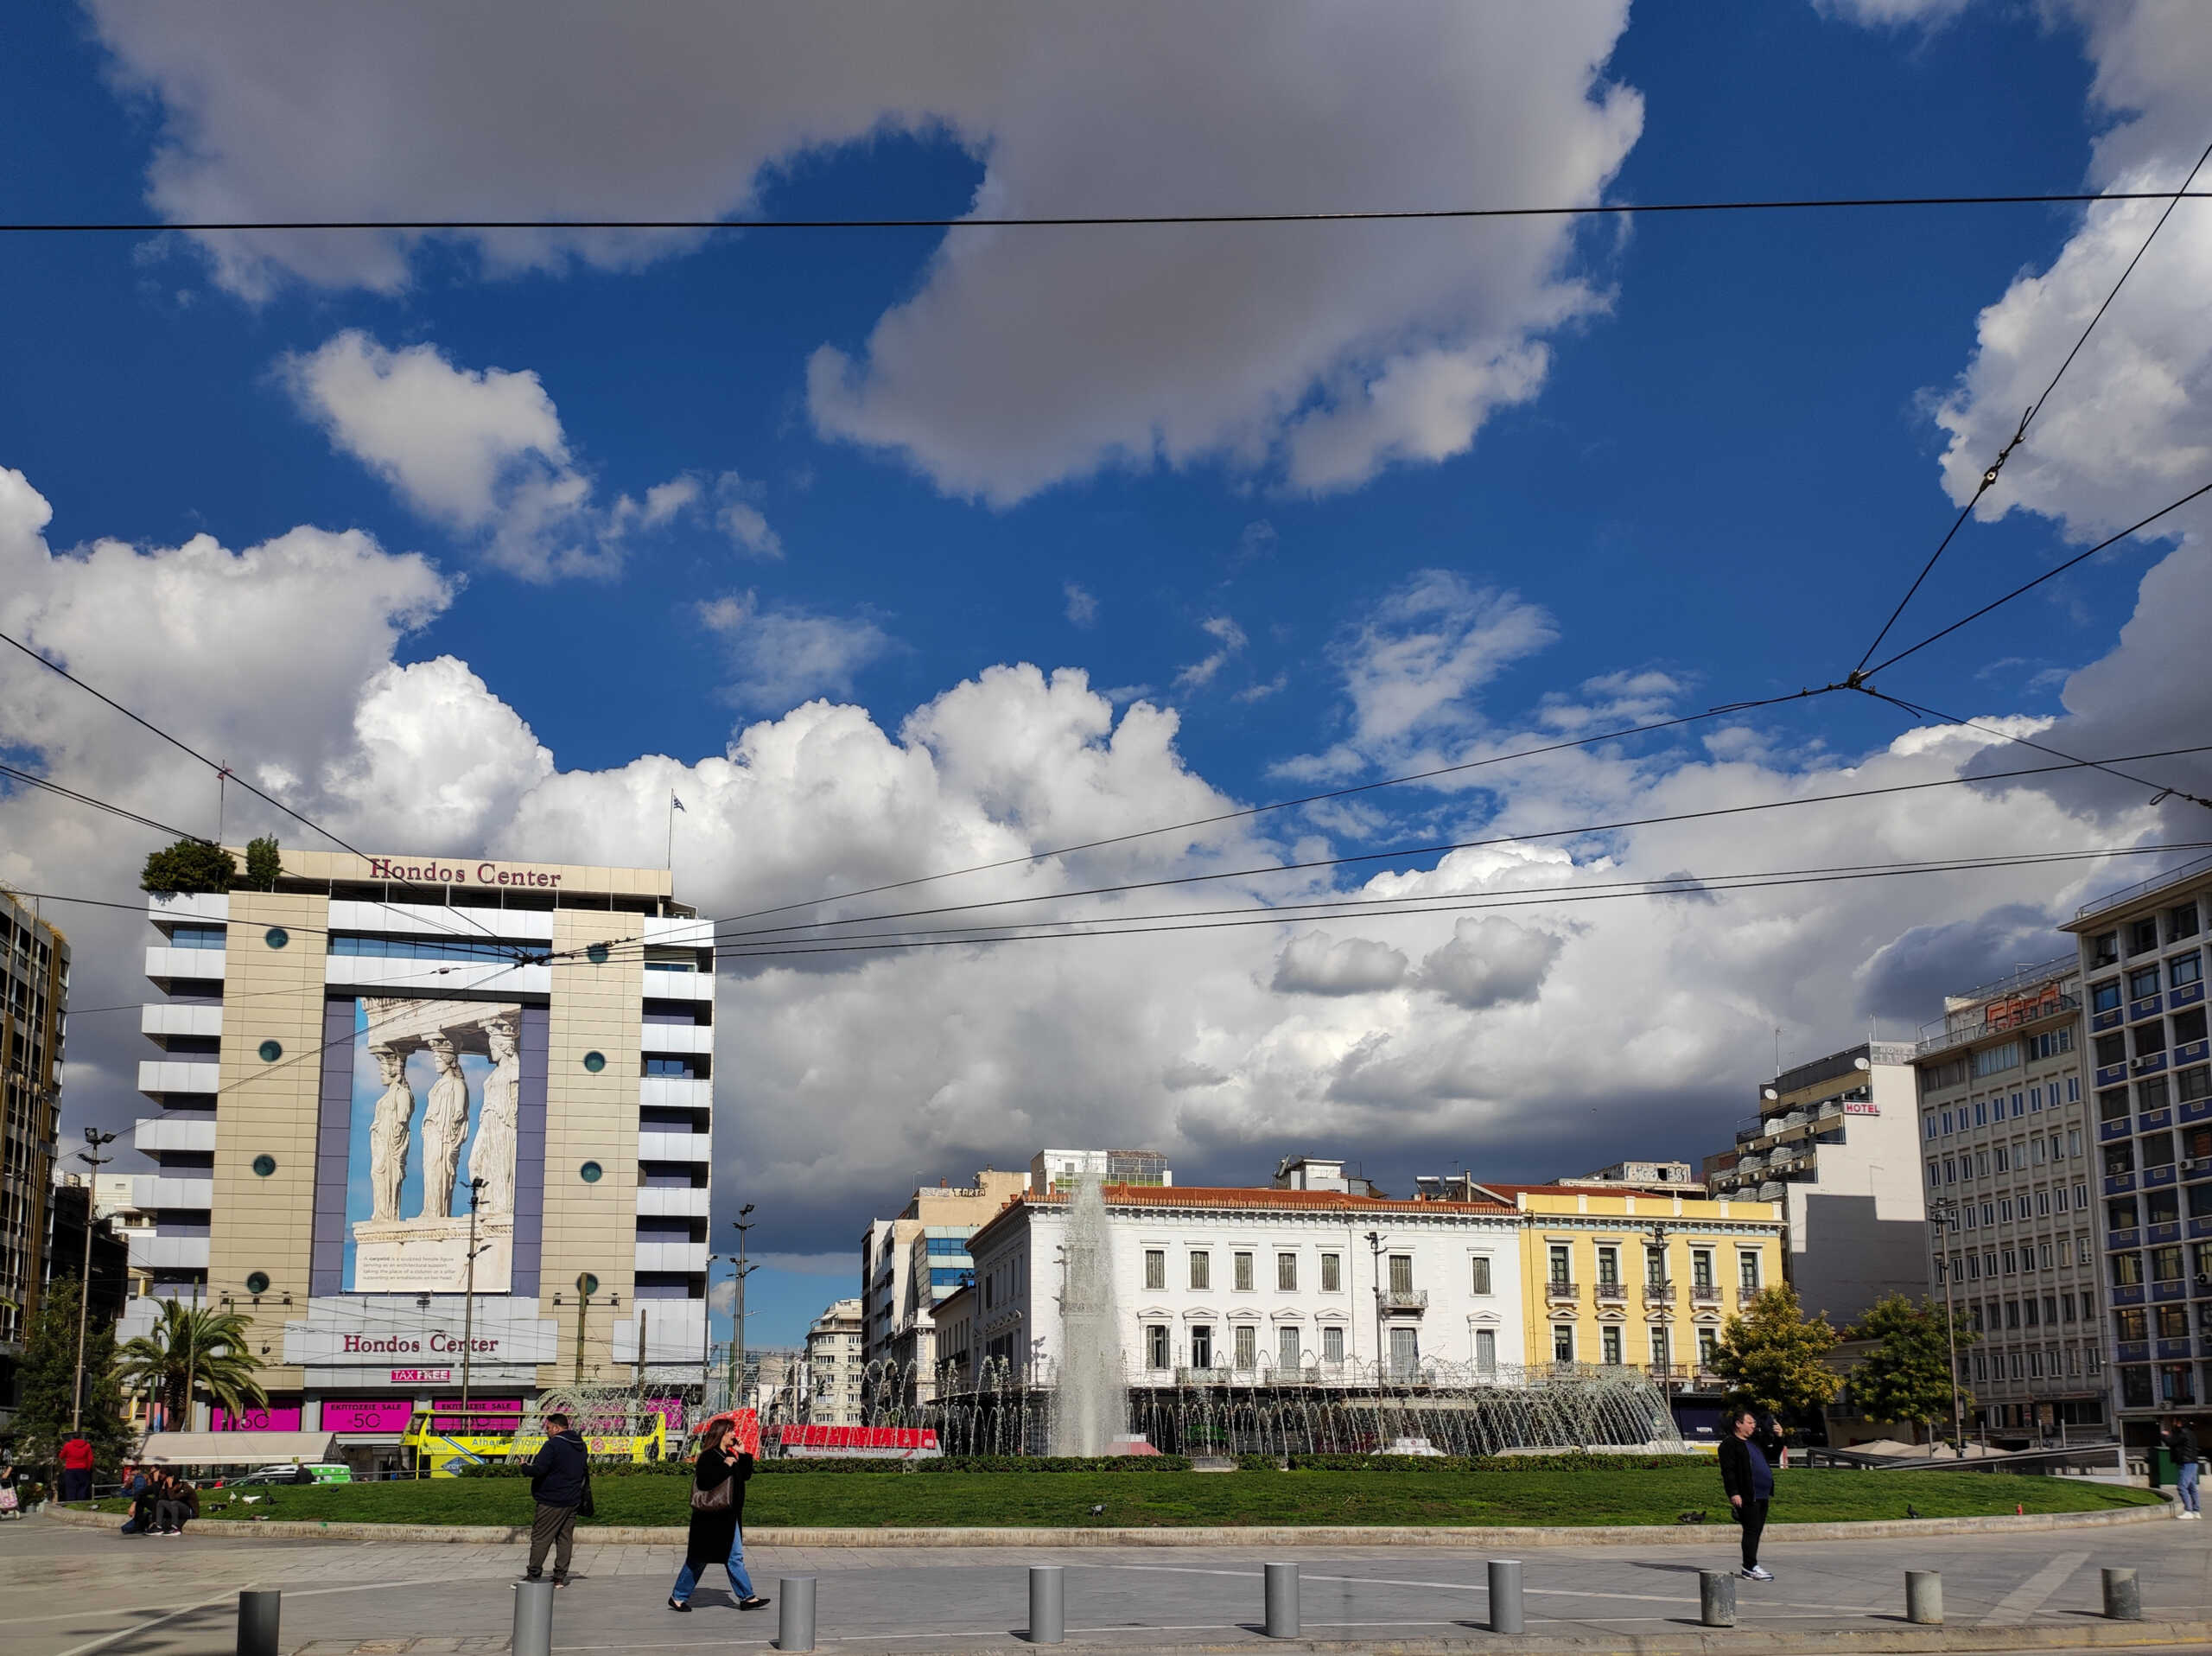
491, 1158
389, 1133
445, 1124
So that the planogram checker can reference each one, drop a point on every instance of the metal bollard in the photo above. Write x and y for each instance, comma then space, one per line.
1048, 1604
794, 1613
258, 1622
1505, 1596
533, 1634
1282, 1601
1716, 1598
2123, 1596
1923, 1597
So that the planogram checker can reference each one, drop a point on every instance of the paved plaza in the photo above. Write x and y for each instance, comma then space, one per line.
73, 1592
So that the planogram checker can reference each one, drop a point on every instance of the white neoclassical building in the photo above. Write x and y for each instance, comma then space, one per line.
1312, 1276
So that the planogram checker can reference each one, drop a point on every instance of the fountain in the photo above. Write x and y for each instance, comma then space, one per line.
1091, 1408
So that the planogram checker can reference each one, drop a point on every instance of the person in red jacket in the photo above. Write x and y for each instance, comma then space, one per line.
77, 1469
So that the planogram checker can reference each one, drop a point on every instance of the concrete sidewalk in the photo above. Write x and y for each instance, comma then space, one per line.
71, 1592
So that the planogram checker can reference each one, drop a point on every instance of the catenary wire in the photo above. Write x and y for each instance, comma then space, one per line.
716, 938
220, 770
2048, 575
1672, 885
2020, 433
51, 787
1615, 209
1013, 934
2160, 790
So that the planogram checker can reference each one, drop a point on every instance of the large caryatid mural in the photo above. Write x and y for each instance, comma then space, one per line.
434, 1112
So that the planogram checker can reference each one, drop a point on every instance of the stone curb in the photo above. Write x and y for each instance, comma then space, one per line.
1517, 1536
2088, 1633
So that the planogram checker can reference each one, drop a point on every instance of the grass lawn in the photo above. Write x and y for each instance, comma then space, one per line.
959, 1500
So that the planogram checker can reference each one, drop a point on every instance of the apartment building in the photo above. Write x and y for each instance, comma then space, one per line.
2009, 1156
2141, 960
1836, 1141
384, 1063
911, 1263
33, 1000
836, 1361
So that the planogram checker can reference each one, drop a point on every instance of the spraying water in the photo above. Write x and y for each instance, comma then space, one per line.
1090, 1414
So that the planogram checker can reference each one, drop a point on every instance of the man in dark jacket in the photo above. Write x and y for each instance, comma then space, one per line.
556, 1482
1748, 1481
2181, 1443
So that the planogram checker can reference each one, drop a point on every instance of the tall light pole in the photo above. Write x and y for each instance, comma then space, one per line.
468, 1306
707, 1330
1664, 1280
98, 1141
737, 1310
1374, 1241
1943, 1214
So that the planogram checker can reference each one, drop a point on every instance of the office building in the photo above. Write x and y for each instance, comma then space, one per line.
1836, 1141
73, 1209
2141, 958
33, 999
345, 1058
836, 1364
2007, 1149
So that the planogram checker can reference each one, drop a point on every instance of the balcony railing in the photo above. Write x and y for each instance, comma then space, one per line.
1706, 1293
1611, 1293
1561, 1287
1405, 1299
1658, 1293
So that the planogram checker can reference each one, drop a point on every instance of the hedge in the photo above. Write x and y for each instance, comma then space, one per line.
869, 1463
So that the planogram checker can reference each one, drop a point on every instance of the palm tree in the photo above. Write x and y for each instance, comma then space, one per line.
204, 1349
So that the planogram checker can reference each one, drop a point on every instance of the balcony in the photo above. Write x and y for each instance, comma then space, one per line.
489, 977
1561, 1289
158, 1077
671, 1256
1611, 1293
675, 1093
531, 927
158, 1022
155, 1134
166, 967
151, 1251
652, 1146
1703, 1294
677, 1038
151, 1191
1658, 1293
1412, 1300
675, 1202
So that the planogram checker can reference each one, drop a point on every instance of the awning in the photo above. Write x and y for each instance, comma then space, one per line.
235, 1448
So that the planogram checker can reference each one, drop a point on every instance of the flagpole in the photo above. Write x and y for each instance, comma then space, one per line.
671, 832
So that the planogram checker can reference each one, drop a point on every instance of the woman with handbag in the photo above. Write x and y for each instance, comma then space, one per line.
717, 1519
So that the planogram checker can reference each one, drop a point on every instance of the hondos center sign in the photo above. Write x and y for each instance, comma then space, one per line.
462, 874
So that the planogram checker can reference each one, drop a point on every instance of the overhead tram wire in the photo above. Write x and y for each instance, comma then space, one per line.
1104, 221
2026, 587
1261, 809
71, 793
224, 770
1017, 933
1859, 673
717, 939
1672, 885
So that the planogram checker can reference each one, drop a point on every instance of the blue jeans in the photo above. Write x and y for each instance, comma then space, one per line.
741, 1583
2185, 1481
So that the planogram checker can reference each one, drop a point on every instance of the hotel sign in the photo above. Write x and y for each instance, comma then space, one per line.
378, 1335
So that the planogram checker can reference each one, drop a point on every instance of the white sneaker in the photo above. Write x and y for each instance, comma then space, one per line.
1756, 1573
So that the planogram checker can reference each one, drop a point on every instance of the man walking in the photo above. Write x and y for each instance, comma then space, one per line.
556, 1482
1748, 1481
2181, 1443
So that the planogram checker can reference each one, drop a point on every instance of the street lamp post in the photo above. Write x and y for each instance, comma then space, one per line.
706, 1329
1375, 1241
1943, 1214
98, 1141
1658, 1234
468, 1305
737, 1309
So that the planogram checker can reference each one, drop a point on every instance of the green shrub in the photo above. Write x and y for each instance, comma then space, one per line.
1259, 1463
1565, 1460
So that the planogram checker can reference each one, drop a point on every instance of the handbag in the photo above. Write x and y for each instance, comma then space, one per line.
712, 1501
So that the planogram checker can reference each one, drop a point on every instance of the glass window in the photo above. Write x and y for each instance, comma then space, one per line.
1747, 1272
2150, 1038
2142, 936
1332, 1344
1241, 1266
1947, 1121
1286, 1271
2192, 1083
2157, 1149
2185, 968
2105, 997
1405, 1353
1994, 1061
2119, 1159
1155, 1345
2180, 922
1702, 1267
1201, 1345
1287, 1353
1244, 1346
1155, 1267
1486, 1350
1201, 1269
2151, 1094
1559, 1256
1481, 1284
2189, 1025
2112, 1104
2104, 948
1609, 1265
2111, 1049
1332, 1273
2127, 1270
2166, 1264
2143, 982
1708, 1345
1609, 1345
1402, 1273
1562, 1342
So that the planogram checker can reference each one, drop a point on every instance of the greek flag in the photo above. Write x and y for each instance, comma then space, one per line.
675, 804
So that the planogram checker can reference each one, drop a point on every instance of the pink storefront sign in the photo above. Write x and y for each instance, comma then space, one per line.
283, 1419
366, 1414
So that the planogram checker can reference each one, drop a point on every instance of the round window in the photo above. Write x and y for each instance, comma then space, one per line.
270, 1052
265, 1165
257, 1282
592, 1172
594, 1061
587, 1283
276, 937
596, 954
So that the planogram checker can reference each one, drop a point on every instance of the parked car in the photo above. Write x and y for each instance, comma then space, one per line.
318, 1472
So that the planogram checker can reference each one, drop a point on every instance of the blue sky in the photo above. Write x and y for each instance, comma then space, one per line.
1715, 449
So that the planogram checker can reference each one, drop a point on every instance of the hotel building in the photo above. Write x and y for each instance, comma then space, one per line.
1836, 1141
343, 1058
34, 993
2008, 1154
911, 1264
2142, 966
834, 1363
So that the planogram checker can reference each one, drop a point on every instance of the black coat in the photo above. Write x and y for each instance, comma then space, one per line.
558, 1470
712, 1532
1736, 1473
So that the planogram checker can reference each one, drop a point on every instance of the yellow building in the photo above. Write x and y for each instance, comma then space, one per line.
1644, 1279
